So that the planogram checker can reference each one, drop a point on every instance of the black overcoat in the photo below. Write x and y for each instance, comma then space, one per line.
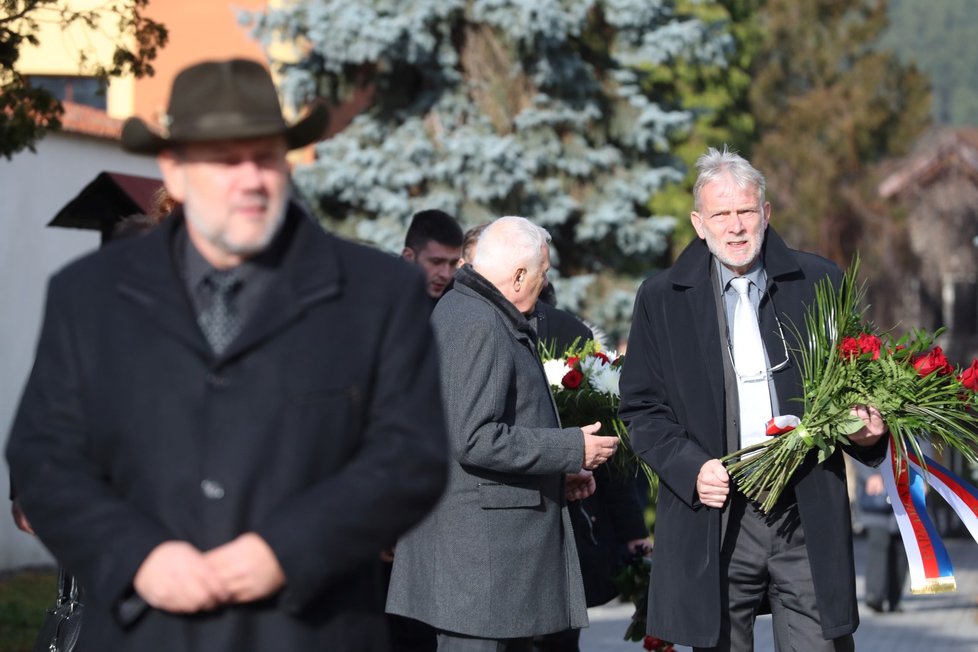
320, 428
673, 401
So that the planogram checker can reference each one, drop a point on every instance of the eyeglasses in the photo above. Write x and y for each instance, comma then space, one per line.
767, 373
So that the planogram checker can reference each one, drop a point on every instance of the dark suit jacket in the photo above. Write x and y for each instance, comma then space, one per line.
673, 401
320, 428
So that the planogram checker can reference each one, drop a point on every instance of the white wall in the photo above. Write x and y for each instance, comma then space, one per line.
35, 186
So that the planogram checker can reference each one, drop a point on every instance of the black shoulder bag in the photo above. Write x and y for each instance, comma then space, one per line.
62, 622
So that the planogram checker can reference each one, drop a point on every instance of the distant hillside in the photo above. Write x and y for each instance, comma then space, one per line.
939, 36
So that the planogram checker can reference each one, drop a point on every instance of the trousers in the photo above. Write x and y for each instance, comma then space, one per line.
764, 564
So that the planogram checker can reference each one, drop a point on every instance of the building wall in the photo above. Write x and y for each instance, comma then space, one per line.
199, 30
58, 52
34, 187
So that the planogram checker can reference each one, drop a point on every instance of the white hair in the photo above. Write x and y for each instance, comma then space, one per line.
509, 243
716, 163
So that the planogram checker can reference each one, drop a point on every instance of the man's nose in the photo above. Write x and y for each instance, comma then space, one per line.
249, 173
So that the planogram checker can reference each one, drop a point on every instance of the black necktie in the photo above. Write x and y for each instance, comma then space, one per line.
220, 321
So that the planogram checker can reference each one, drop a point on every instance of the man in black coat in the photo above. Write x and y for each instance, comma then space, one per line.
717, 558
229, 417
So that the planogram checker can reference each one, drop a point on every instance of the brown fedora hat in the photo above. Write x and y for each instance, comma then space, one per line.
218, 100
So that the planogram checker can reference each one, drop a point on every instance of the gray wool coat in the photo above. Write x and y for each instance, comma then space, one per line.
496, 558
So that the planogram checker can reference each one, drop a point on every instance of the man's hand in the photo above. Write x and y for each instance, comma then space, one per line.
873, 425
637, 546
247, 567
713, 484
20, 518
597, 449
578, 486
175, 577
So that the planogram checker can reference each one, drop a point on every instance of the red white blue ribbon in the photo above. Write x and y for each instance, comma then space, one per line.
930, 565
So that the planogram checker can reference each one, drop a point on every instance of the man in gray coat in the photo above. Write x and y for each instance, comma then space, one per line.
495, 563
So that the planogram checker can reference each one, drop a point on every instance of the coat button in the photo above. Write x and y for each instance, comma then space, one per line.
217, 380
212, 489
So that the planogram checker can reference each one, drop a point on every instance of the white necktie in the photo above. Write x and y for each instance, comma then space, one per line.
751, 368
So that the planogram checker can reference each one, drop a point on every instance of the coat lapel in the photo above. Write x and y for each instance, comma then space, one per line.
151, 280
691, 275
309, 273
782, 269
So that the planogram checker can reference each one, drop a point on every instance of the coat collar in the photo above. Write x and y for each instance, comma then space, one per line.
309, 272
475, 283
692, 268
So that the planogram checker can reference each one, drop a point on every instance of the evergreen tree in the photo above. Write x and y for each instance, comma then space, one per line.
718, 98
828, 104
938, 37
482, 108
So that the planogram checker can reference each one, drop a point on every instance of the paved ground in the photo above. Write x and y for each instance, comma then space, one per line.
928, 623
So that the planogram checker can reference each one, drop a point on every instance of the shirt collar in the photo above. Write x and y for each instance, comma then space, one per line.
755, 274
197, 268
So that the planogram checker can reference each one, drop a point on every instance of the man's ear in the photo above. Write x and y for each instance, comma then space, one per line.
518, 278
408, 254
697, 220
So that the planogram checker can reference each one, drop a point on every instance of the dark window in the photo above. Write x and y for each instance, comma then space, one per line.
89, 91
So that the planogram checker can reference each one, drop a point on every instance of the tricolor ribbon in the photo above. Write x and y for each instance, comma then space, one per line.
930, 565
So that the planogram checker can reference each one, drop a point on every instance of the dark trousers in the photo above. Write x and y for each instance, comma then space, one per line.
407, 634
449, 642
764, 561
565, 641
886, 568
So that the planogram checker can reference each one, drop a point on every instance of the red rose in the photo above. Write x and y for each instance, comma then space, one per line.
969, 377
931, 362
849, 348
572, 379
601, 356
651, 642
870, 343
572, 361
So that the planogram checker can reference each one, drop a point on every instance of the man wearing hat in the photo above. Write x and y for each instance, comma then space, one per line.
229, 417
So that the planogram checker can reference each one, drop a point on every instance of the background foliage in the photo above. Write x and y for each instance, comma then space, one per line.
28, 113
24, 597
562, 110
586, 115
938, 36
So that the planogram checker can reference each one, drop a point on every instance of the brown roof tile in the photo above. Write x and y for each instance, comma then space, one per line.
89, 121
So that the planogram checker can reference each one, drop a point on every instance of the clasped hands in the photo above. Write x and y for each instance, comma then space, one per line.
178, 578
597, 450
713, 482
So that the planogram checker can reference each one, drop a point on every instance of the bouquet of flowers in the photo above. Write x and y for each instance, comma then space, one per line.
585, 381
585, 384
845, 362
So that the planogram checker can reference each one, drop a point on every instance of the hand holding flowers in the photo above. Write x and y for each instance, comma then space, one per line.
585, 384
858, 385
